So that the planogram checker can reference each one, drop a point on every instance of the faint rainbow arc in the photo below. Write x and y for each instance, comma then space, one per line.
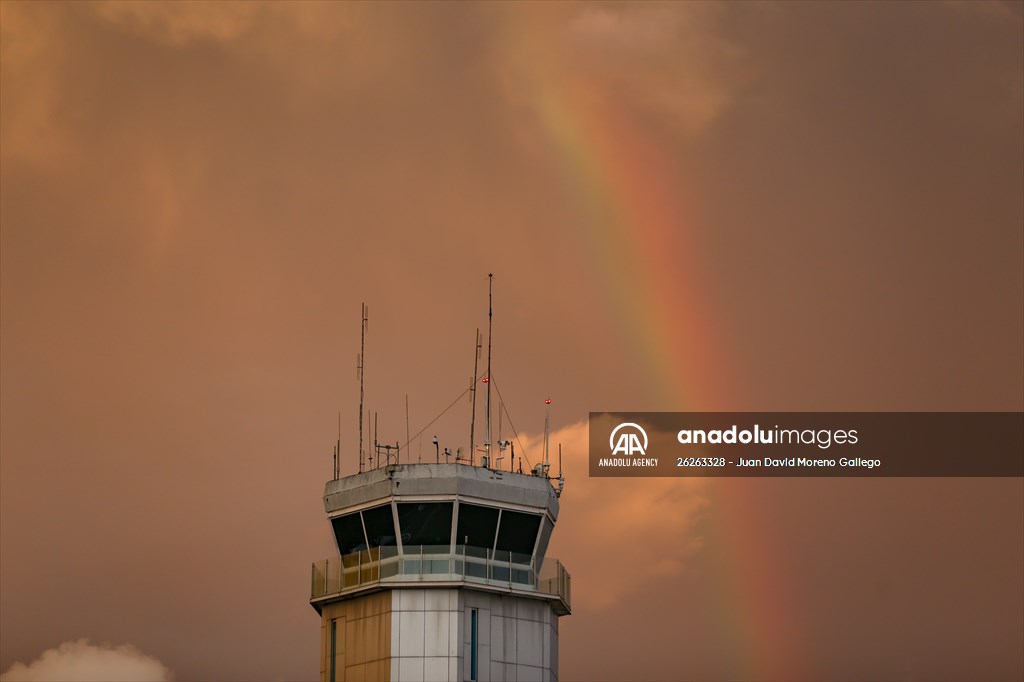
636, 232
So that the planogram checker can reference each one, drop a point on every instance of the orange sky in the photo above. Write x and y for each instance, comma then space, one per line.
685, 206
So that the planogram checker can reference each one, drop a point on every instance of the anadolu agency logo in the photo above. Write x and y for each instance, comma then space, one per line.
629, 442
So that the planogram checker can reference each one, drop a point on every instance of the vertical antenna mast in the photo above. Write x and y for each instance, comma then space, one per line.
337, 451
561, 478
406, 427
472, 384
490, 318
364, 318
547, 434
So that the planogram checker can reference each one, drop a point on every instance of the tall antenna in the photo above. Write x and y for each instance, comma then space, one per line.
561, 478
472, 386
547, 434
490, 318
363, 324
398, 452
337, 451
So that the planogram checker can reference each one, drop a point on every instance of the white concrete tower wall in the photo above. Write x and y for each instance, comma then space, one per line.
432, 637
425, 635
517, 638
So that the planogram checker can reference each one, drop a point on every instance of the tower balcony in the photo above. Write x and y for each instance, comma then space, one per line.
489, 570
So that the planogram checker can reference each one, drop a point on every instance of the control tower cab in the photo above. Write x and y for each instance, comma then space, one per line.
441, 575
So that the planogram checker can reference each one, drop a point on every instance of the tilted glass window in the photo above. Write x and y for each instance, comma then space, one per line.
348, 531
380, 526
477, 525
425, 523
518, 532
545, 536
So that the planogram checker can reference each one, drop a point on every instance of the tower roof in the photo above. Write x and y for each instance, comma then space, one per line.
441, 481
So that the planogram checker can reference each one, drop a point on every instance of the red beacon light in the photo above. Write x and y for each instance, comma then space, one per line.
485, 379
548, 401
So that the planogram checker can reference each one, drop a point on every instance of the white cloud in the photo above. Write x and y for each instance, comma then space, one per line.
608, 524
80, 661
674, 60
180, 23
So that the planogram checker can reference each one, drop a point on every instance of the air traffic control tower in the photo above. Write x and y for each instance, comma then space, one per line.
441, 575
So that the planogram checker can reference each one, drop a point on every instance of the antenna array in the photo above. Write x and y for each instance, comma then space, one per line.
384, 451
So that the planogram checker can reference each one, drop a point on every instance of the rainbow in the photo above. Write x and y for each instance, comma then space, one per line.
644, 259
643, 262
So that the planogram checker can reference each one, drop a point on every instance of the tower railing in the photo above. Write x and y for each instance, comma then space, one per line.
438, 563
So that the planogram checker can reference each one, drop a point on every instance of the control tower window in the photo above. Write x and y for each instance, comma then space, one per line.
380, 526
545, 536
477, 525
348, 531
518, 532
425, 523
